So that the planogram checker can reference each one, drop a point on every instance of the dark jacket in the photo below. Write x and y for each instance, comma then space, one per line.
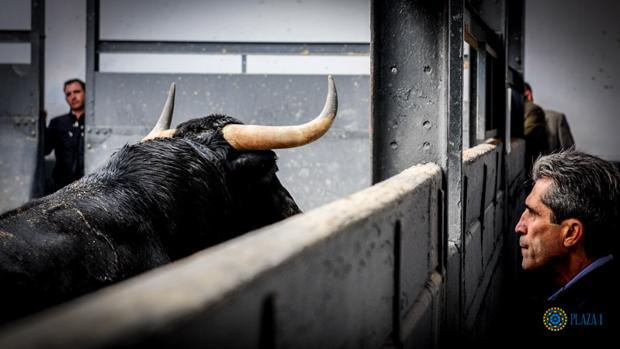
65, 135
589, 308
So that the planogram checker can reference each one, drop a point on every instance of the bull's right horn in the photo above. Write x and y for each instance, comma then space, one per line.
163, 124
253, 137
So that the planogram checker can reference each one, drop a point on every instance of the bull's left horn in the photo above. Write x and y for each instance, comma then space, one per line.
253, 137
163, 124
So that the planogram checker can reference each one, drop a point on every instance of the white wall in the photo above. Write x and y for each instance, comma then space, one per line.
237, 20
65, 50
14, 15
572, 50
192, 20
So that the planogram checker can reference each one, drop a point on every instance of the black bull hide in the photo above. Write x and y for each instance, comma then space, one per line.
153, 202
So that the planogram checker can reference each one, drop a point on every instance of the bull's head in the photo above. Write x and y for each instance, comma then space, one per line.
252, 137
244, 154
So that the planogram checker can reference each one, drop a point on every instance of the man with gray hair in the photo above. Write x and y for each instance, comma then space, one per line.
569, 232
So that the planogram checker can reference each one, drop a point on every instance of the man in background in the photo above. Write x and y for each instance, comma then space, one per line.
534, 129
65, 135
558, 134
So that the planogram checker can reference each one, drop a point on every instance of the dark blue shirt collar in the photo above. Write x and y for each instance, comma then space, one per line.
596, 264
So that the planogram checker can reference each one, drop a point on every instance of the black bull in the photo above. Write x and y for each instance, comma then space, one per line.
153, 202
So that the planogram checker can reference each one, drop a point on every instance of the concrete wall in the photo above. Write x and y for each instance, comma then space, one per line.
572, 49
322, 279
365, 271
482, 262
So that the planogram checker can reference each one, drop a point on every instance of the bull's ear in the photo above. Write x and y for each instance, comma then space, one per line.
255, 166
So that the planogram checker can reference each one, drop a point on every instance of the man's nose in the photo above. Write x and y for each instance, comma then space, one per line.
520, 227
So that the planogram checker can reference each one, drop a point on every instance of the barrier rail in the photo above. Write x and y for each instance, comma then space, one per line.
324, 278
363, 271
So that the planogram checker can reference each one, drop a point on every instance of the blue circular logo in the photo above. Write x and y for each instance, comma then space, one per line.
555, 319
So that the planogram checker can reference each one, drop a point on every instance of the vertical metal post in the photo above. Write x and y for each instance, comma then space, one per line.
416, 90
37, 64
514, 120
408, 85
92, 38
92, 66
417, 95
514, 67
481, 100
473, 95
416, 85
453, 171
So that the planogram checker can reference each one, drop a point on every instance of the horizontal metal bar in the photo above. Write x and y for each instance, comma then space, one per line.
14, 36
135, 130
232, 48
477, 28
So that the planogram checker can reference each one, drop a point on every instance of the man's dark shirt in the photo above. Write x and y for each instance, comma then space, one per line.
591, 309
65, 135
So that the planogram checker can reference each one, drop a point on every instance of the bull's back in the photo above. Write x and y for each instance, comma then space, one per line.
50, 253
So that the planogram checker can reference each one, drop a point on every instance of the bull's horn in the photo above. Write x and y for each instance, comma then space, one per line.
163, 124
252, 137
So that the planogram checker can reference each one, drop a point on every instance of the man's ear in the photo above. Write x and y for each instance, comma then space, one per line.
572, 232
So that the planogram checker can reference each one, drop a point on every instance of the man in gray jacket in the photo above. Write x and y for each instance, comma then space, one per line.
559, 136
